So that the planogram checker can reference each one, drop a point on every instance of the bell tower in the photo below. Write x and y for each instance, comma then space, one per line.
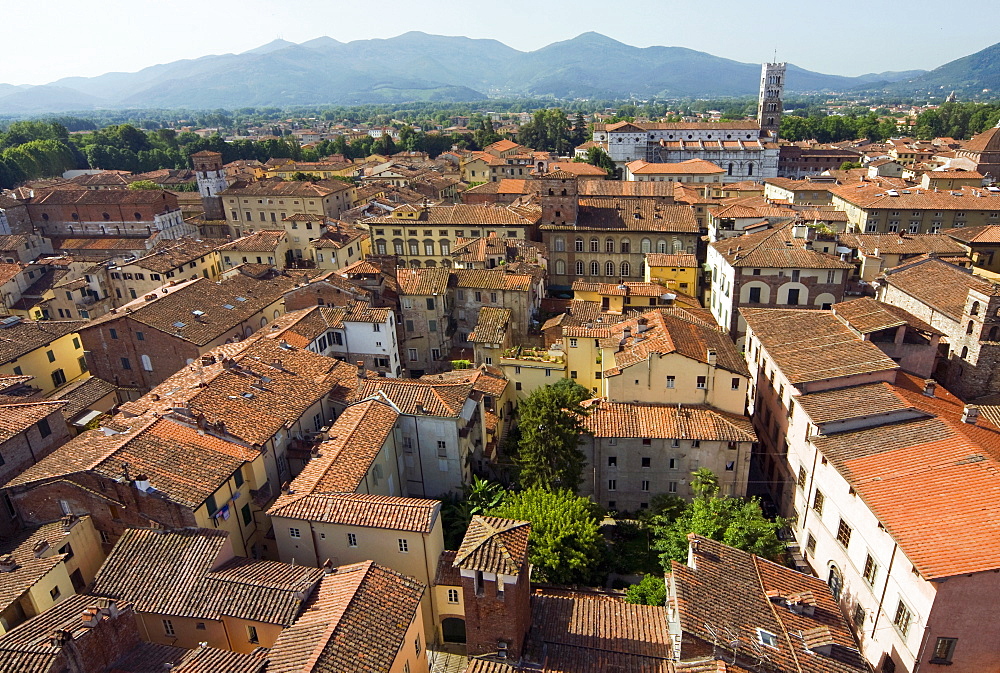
769, 106
211, 181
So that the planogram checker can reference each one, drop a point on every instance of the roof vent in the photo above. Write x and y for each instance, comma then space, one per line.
7, 563
929, 386
970, 414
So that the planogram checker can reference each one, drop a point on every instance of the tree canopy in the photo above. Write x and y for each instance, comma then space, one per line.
566, 546
551, 422
652, 590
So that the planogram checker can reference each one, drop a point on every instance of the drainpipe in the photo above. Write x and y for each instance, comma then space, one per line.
885, 588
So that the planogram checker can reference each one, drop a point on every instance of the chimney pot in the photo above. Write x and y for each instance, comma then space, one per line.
970, 414
929, 386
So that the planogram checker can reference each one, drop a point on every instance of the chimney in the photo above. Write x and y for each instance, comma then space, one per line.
970, 414
929, 386
90, 617
207, 360
142, 482
328, 566
712, 357
40, 548
68, 522
7, 563
60, 637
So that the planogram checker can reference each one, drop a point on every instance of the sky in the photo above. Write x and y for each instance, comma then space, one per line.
63, 38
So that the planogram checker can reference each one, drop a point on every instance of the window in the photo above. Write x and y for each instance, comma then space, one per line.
793, 297
818, 502
612, 461
944, 650
645, 485
200, 626
594, 245
453, 595
811, 544
147, 364
735, 384
595, 268
578, 245
671, 487
113, 333
671, 380
612, 484
404, 545
412, 354
844, 533
43, 428
858, 617
294, 532
888, 665
252, 635
903, 618
646, 462
702, 382
126, 364
416, 643
247, 514
871, 570
54, 592
52, 356
168, 627
755, 295
767, 638
352, 540
572, 343
58, 377
442, 448
579, 268
625, 270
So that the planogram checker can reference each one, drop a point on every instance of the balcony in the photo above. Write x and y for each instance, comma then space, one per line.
532, 355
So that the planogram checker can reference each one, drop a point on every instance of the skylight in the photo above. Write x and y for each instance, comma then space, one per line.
767, 638
178, 325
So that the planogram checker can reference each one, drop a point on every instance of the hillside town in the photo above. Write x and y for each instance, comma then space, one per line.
353, 414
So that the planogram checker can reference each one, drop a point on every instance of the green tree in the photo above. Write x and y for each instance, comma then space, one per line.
652, 590
704, 483
566, 546
143, 184
551, 422
457, 511
734, 521
596, 156
848, 165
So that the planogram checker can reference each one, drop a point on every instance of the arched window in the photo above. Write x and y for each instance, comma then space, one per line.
446, 263
430, 264
559, 244
836, 582
138, 216
560, 267
106, 216
277, 314
579, 268
968, 328
595, 245
578, 245
965, 352
609, 268
678, 247
263, 321
45, 216
625, 269
975, 308
595, 268
609, 245
661, 246
147, 364
730, 170
626, 246
646, 245
749, 170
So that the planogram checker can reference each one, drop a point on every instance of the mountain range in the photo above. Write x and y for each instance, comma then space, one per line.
416, 66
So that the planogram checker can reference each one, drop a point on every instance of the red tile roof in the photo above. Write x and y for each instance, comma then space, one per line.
417, 515
494, 545
660, 421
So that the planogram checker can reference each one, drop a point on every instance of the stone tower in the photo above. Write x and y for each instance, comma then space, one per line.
559, 196
496, 584
769, 107
211, 181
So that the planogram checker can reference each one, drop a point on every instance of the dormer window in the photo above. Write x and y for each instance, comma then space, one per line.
767, 638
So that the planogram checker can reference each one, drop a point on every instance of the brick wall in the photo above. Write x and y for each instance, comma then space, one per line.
167, 354
489, 619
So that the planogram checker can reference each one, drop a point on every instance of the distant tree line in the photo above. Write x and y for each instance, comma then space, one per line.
957, 120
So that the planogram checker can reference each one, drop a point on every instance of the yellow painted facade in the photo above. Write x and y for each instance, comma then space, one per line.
681, 278
53, 364
584, 363
528, 370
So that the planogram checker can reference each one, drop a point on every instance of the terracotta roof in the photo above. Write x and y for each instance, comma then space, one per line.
624, 419
240, 386
168, 255
867, 315
576, 168
425, 396
492, 279
864, 401
615, 214
30, 566
260, 241
730, 589
870, 195
25, 336
812, 345
623, 127
668, 331
447, 573
987, 141
179, 573
775, 249
689, 167
988, 234
122, 197
579, 632
424, 282
897, 470
462, 214
626, 189
940, 285
682, 260
183, 465
494, 545
626, 289
16, 417
287, 188
491, 325
173, 313
902, 243
357, 621
356, 438
417, 515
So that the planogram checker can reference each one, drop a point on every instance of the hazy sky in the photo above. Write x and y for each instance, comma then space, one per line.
60, 38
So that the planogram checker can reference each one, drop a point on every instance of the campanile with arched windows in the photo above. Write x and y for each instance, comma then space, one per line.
769, 106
